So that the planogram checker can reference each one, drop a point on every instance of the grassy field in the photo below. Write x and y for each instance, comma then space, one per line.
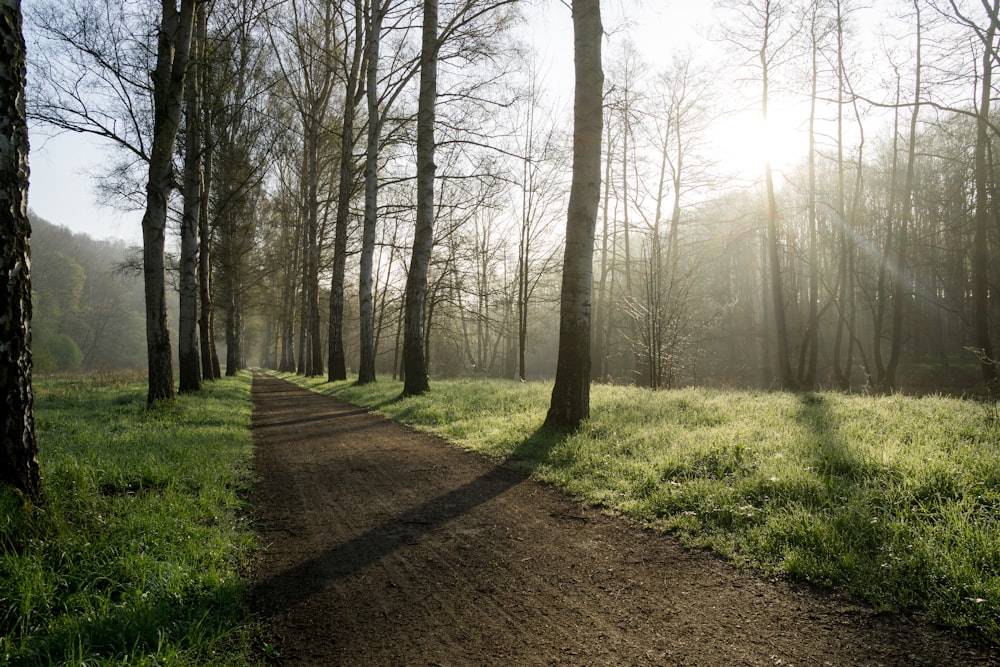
892, 500
134, 556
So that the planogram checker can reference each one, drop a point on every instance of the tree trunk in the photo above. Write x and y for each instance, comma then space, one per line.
900, 293
366, 367
773, 245
981, 246
187, 343
337, 363
810, 343
303, 288
414, 362
313, 351
287, 362
841, 373
570, 403
599, 372
168, 100
210, 367
18, 447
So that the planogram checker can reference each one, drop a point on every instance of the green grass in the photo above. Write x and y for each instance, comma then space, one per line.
893, 500
135, 553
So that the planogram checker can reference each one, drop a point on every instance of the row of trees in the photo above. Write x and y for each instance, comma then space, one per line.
865, 262
864, 258
870, 259
266, 102
96, 65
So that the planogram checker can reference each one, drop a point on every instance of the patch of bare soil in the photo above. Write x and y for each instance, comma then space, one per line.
384, 546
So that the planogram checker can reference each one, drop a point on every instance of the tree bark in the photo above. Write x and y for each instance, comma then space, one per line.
18, 447
785, 374
210, 366
337, 369
414, 362
366, 367
900, 293
173, 46
570, 403
981, 246
188, 343
810, 343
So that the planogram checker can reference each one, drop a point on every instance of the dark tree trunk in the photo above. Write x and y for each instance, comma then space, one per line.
168, 100
773, 245
981, 246
900, 291
287, 362
18, 447
234, 333
338, 365
366, 368
415, 371
570, 403
313, 351
187, 343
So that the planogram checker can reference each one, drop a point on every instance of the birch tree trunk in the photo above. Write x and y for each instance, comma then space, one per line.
211, 369
18, 448
570, 403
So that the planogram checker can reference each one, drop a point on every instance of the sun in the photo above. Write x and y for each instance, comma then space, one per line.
744, 142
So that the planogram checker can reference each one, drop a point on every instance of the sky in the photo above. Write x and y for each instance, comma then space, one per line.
61, 187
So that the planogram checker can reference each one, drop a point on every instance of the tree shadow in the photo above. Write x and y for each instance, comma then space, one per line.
831, 455
317, 574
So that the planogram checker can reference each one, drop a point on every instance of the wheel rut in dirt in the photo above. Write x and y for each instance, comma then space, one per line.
385, 546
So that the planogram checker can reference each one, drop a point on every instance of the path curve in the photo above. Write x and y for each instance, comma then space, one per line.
384, 546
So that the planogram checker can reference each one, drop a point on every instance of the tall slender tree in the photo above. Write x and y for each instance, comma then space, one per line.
570, 403
194, 184
173, 47
210, 367
366, 367
414, 362
354, 90
18, 448
986, 32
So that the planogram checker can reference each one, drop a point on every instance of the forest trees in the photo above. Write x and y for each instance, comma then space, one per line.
306, 44
97, 56
18, 462
840, 212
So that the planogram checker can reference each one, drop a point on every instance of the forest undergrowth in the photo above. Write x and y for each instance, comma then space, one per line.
892, 500
135, 553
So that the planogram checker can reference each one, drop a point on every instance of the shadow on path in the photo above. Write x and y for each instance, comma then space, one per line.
319, 573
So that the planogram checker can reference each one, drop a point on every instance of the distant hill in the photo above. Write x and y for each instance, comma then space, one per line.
85, 314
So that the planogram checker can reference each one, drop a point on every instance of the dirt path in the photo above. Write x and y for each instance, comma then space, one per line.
389, 547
